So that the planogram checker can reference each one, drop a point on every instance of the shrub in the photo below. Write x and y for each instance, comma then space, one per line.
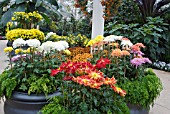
154, 35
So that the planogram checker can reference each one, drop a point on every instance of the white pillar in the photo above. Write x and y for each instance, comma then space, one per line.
97, 19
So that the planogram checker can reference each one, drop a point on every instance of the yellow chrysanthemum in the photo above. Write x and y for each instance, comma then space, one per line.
67, 52
99, 38
17, 51
25, 34
90, 43
8, 49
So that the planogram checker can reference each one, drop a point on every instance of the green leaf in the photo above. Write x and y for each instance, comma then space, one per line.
83, 106
38, 3
7, 16
19, 1
30, 66
53, 2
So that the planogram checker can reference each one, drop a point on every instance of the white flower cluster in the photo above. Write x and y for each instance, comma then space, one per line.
49, 35
33, 43
126, 43
49, 45
18, 43
112, 38
46, 46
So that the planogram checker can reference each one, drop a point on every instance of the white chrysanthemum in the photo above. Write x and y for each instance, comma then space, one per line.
33, 43
18, 43
48, 46
49, 35
59, 46
40, 49
126, 43
112, 38
64, 43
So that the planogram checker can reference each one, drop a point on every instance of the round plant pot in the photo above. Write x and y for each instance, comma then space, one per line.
136, 109
22, 103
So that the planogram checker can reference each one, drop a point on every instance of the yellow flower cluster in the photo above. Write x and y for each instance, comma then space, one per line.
8, 26
8, 49
27, 17
25, 34
79, 40
58, 38
95, 40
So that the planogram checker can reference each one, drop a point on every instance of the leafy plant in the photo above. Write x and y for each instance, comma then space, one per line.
153, 8
85, 89
54, 107
152, 34
128, 12
29, 69
142, 91
44, 7
7, 84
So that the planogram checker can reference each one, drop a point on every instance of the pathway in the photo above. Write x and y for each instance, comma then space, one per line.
162, 104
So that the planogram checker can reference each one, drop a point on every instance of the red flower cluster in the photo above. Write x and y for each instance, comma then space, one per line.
72, 68
87, 74
101, 63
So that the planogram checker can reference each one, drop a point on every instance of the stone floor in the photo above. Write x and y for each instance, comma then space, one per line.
162, 103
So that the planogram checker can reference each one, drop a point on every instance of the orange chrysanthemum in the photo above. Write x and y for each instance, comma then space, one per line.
118, 90
116, 52
140, 45
109, 81
96, 75
125, 53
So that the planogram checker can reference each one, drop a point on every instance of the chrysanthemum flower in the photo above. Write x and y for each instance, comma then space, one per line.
119, 90
139, 61
17, 51
109, 81
125, 53
8, 49
116, 52
102, 62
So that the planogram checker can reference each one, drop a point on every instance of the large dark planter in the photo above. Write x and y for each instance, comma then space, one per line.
136, 109
22, 103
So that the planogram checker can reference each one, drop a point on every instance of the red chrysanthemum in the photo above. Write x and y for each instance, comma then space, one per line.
101, 63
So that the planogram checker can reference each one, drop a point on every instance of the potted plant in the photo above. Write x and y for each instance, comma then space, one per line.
26, 82
86, 90
24, 25
129, 66
112, 56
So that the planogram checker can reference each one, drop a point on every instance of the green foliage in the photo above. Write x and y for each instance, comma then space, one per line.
153, 8
154, 34
7, 84
80, 99
54, 107
45, 7
142, 91
46, 84
29, 72
128, 12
